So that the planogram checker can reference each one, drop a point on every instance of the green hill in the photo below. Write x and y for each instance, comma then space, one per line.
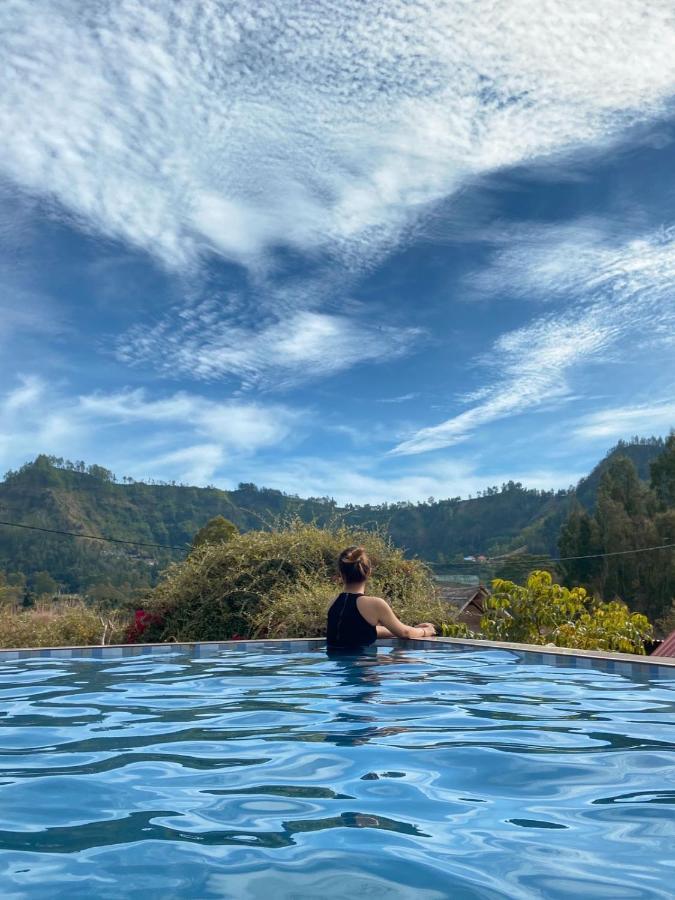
89, 500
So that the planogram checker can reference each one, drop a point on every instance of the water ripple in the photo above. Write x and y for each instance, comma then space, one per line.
439, 773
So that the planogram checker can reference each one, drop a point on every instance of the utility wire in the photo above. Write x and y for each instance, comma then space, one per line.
93, 537
613, 553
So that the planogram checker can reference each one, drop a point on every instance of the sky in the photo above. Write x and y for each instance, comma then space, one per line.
376, 252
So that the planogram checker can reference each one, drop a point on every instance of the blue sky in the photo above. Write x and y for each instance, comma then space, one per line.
370, 251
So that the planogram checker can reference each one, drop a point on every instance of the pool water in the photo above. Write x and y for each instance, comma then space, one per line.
432, 773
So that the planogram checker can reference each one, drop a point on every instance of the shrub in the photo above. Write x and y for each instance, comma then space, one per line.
217, 530
279, 584
71, 625
542, 612
457, 630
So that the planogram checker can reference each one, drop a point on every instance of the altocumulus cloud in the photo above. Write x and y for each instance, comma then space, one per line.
201, 343
201, 129
233, 128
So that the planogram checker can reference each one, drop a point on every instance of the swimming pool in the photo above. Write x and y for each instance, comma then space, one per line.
275, 775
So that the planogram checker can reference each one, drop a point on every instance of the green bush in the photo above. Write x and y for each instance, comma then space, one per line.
542, 612
457, 630
280, 584
72, 625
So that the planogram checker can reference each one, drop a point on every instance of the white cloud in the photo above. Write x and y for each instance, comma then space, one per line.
206, 125
624, 422
402, 398
243, 427
196, 464
203, 344
355, 480
182, 436
626, 299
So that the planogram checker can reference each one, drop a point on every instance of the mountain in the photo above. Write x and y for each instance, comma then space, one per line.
62, 496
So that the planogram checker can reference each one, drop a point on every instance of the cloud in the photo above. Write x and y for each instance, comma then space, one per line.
402, 398
624, 422
182, 435
192, 129
623, 294
356, 480
196, 464
243, 427
208, 127
202, 343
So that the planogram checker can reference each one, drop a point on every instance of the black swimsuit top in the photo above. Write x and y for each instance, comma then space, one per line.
347, 629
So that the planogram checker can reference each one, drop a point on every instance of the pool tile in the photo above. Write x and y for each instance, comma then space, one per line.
636, 669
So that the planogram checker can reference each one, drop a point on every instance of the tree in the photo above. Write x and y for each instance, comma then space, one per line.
218, 530
578, 537
626, 519
43, 583
542, 612
518, 566
662, 472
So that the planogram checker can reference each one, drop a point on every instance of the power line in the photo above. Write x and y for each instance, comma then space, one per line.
93, 537
513, 557
613, 553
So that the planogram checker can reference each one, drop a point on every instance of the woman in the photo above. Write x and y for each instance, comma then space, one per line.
356, 620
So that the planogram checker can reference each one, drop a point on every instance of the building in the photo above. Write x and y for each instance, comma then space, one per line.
666, 647
468, 600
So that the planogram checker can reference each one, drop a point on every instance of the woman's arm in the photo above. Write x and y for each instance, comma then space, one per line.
389, 625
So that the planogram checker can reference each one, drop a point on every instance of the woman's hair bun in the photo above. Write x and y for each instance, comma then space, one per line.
354, 564
353, 554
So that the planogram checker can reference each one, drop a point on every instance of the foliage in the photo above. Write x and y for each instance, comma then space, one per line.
279, 584
518, 567
58, 625
457, 630
43, 583
12, 589
666, 624
543, 612
628, 516
70, 496
662, 472
217, 530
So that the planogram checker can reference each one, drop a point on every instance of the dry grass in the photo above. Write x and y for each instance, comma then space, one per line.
58, 625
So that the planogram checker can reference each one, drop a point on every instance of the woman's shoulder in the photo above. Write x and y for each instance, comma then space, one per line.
371, 599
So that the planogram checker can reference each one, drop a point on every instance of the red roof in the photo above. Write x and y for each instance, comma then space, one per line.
667, 648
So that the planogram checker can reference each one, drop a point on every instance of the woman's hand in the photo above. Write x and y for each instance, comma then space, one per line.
428, 628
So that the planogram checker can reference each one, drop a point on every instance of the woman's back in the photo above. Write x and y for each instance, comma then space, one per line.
346, 627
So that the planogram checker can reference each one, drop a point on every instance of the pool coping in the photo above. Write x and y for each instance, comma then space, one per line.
619, 663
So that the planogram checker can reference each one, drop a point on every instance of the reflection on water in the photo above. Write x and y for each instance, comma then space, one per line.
384, 773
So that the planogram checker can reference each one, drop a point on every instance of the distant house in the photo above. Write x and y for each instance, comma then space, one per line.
468, 600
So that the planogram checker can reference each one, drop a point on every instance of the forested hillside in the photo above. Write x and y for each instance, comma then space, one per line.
56, 494
628, 514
